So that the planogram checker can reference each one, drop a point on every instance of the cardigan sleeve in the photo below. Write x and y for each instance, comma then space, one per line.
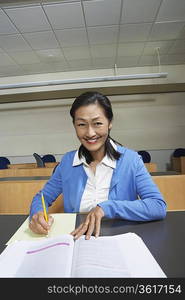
149, 205
51, 190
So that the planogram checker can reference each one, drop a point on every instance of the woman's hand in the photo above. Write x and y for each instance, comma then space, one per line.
38, 223
91, 224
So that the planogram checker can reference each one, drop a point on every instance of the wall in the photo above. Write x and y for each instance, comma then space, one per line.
155, 122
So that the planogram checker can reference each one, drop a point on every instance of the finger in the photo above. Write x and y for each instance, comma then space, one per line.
97, 227
37, 228
84, 224
77, 229
41, 220
36, 224
90, 228
80, 231
50, 221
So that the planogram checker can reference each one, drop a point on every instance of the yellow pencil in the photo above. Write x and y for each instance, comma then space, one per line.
44, 208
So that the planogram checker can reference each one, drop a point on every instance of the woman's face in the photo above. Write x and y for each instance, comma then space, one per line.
92, 128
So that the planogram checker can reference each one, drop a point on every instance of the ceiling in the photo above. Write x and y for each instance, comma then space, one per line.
56, 36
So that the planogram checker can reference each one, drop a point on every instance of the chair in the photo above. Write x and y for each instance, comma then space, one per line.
48, 158
39, 160
178, 160
54, 169
145, 156
4, 162
179, 152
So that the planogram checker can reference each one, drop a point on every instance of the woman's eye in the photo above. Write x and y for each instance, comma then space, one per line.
81, 124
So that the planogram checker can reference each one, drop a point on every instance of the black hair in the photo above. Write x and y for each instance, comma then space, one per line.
92, 98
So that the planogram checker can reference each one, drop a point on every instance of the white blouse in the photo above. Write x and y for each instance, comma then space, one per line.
97, 186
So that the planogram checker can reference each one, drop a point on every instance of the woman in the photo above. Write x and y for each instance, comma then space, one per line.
101, 178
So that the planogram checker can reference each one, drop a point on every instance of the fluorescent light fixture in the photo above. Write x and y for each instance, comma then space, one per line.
83, 80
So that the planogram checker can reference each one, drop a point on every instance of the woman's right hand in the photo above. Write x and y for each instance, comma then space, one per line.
38, 223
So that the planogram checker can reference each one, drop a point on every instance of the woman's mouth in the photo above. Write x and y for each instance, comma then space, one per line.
91, 141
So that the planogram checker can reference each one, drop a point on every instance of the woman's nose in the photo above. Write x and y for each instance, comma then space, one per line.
90, 131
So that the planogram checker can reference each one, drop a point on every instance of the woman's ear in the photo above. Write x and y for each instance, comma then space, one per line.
110, 126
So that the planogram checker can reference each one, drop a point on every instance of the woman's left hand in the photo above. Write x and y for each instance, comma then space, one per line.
91, 224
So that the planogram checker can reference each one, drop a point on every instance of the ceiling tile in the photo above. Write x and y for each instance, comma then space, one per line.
13, 70
102, 12
76, 53
127, 61
178, 47
173, 59
139, 11
61, 66
80, 64
134, 32
72, 37
50, 55
44, 68
6, 27
151, 47
6, 60
41, 40
65, 15
28, 19
171, 10
103, 34
37, 68
14, 43
130, 49
103, 62
148, 60
103, 50
28, 57
166, 30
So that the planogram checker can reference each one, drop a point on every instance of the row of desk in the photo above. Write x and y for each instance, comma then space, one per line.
31, 165
16, 193
31, 169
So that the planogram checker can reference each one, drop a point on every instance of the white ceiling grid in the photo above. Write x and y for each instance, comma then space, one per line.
52, 36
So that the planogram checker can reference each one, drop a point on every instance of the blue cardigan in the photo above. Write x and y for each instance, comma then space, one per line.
132, 195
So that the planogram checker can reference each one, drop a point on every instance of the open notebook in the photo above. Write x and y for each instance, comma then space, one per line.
123, 255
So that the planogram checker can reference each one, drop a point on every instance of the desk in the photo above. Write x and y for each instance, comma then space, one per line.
164, 173
165, 239
25, 172
31, 165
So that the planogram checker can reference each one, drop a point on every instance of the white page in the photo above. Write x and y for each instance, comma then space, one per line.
99, 257
49, 258
139, 259
64, 223
122, 255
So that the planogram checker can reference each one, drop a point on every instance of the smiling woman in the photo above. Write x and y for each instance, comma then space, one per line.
92, 117
101, 178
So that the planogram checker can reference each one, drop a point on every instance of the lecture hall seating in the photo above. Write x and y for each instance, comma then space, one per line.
16, 195
31, 165
16, 172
